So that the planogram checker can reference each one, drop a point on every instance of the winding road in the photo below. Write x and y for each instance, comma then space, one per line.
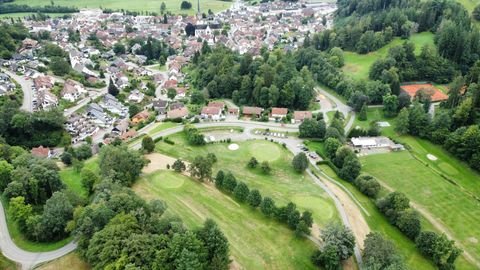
26, 88
28, 260
326, 106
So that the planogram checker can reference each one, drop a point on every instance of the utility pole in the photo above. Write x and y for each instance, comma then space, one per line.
198, 6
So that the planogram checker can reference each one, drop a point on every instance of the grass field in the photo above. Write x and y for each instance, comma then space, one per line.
255, 241
283, 184
450, 205
373, 115
140, 5
69, 261
358, 65
72, 179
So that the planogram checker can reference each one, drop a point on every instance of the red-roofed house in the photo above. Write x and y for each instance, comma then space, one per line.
177, 113
252, 111
299, 116
43, 152
214, 113
279, 113
140, 117
413, 89
218, 104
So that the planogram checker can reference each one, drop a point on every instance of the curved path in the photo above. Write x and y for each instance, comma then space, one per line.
291, 144
339, 106
27, 259
26, 86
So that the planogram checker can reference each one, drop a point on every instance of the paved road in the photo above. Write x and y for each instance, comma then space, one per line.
339, 106
27, 259
292, 145
26, 88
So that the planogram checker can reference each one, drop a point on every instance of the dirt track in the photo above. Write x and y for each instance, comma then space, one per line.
157, 162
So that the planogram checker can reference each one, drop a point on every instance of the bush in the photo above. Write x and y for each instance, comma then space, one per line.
368, 185
167, 140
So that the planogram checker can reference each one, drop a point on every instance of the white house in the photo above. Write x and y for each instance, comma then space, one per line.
72, 91
214, 113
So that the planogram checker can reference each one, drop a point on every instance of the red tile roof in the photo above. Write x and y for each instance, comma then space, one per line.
280, 111
211, 110
436, 94
302, 115
218, 104
177, 113
40, 151
252, 110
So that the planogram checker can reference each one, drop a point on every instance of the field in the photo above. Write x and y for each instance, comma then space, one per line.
140, 5
69, 261
72, 179
6, 264
358, 65
451, 206
255, 241
26, 14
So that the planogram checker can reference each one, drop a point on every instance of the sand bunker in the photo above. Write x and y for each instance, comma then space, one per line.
431, 157
233, 147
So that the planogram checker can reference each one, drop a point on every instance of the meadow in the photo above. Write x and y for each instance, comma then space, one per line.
173, 6
69, 261
358, 65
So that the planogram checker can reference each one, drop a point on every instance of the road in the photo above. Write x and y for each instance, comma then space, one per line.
291, 144
99, 92
339, 106
27, 259
26, 88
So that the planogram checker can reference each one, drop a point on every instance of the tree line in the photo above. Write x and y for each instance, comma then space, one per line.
14, 8
12, 35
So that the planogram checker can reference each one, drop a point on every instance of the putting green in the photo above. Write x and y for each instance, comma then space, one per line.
317, 205
264, 151
172, 181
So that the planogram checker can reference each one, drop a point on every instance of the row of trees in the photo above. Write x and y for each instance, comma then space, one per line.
194, 137
12, 35
274, 80
299, 222
13, 8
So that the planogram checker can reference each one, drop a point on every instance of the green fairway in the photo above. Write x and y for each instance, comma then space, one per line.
358, 65
140, 5
283, 184
451, 205
256, 242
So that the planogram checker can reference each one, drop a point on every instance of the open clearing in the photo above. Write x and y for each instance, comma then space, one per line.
358, 65
255, 241
157, 162
450, 205
139, 5
69, 261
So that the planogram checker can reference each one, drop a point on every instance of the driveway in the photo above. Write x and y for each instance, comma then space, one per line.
325, 106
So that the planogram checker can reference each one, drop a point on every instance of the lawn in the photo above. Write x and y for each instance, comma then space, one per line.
140, 5
162, 126
71, 178
69, 261
373, 115
358, 65
255, 241
451, 205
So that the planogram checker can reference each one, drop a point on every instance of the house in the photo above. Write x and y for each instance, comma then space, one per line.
43, 83
72, 91
181, 92
213, 113
160, 106
128, 135
252, 111
300, 116
279, 113
375, 142
28, 44
111, 104
80, 127
217, 104
121, 127
97, 115
177, 113
140, 117
176, 105
413, 89
136, 96
42, 152
233, 111
45, 99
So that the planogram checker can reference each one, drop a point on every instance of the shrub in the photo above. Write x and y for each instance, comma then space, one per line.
368, 185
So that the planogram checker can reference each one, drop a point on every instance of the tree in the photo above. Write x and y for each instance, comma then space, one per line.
341, 154
341, 237
252, 163
390, 105
185, 5
265, 166
268, 207
148, 144
216, 245
439, 248
351, 168
6, 170
163, 7
133, 109
362, 116
402, 125
331, 147
179, 166
119, 48
241, 192
88, 179
190, 30
83, 152
368, 185
311, 128
171, 93
380, 253
120, 164
212, 158
327, 258
300, 162
59, 66
20, 211
219, 179
112, 88
392, 205
408, 222
201, 168
229, 182
197, 97
254, 198
56, 213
